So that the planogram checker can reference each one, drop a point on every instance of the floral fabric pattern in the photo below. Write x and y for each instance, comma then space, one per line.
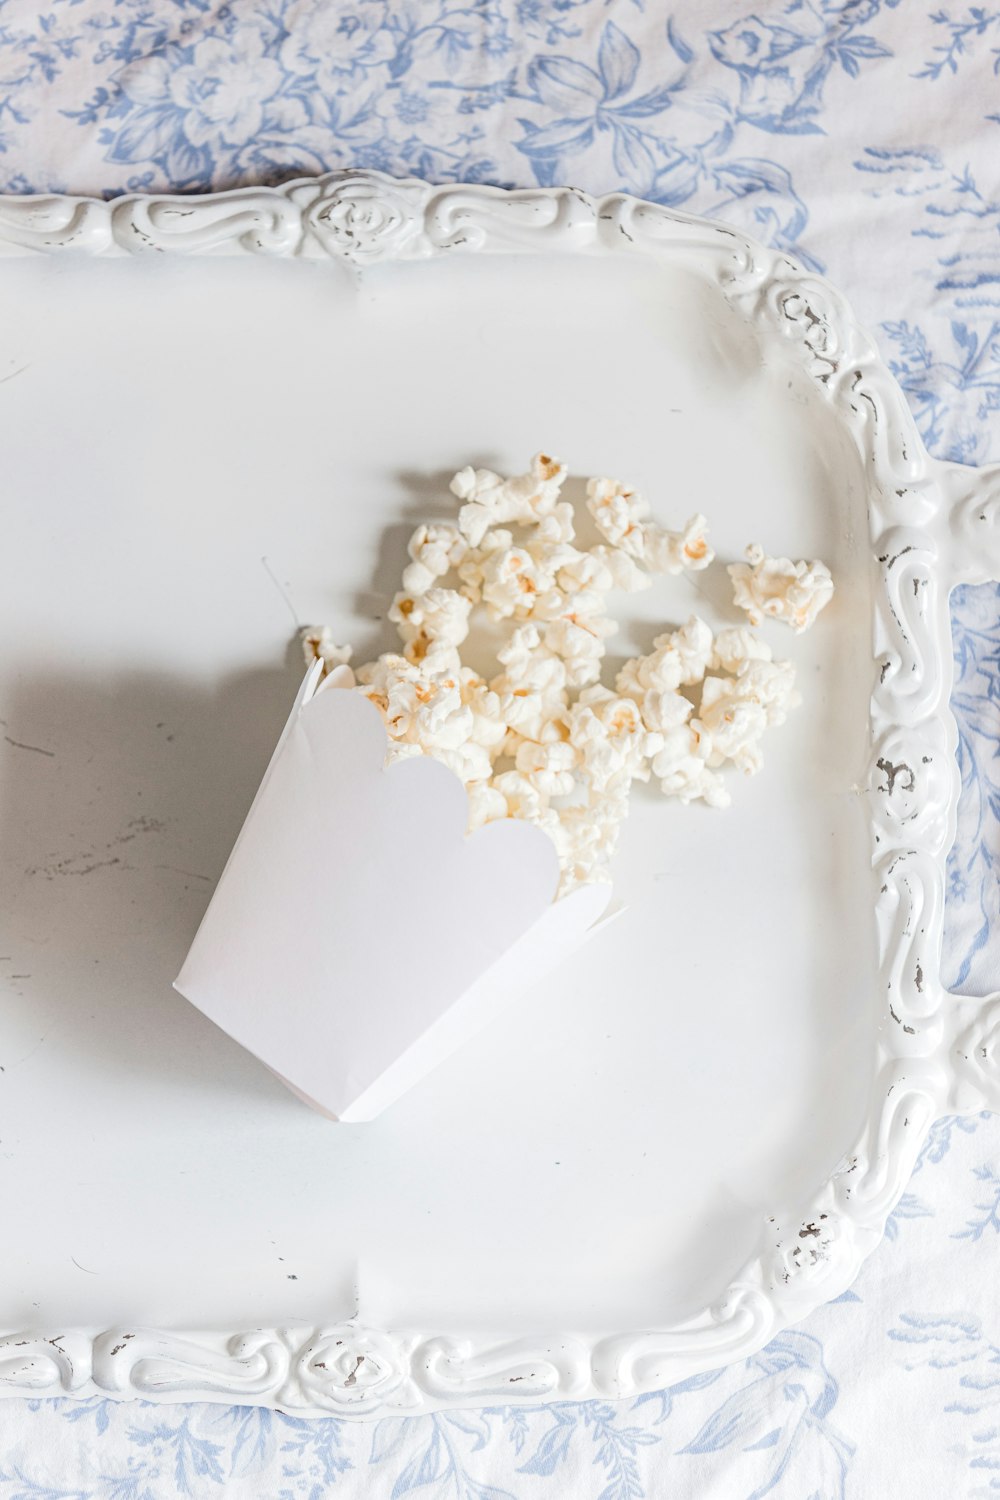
861, 136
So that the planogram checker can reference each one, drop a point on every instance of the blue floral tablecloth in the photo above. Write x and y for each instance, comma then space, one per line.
864, 137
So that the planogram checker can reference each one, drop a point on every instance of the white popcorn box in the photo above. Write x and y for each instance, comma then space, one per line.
358, 935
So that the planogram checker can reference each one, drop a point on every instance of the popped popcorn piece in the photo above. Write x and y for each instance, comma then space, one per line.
682, 766
488, 498
469, 761
523, 797
435, 549
486, 804
471, 570
610, 737
773, 684
544, 739
677, 551
575, 630
438, 616
578, 572
663, 711
734, 721
662, 669
401, 750
679, 658
512, 579
529, 667
581, 652
735, 711
625, 573
737, 644
586, 835
489, 728
528, 716
318, 645
550, 767
778, 589
693, 644
428, 711
376, 677
558, 525
618, 513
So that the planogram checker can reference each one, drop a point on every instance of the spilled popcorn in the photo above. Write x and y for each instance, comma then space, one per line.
543, 738
777, 588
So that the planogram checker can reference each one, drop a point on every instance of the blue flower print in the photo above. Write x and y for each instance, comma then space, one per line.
954, 209
751, 45
953, 392
941, 1136
959, 40
960, 1370
552, 21
221, 90
781, 1418
591, 100
987, 1216
973, 864
782, 66
187, 103
413, 107
908, 1207
329, 46
446, 35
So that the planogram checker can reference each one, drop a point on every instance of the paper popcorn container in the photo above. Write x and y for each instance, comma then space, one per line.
358, 935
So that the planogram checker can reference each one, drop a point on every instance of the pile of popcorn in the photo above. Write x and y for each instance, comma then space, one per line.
543, 738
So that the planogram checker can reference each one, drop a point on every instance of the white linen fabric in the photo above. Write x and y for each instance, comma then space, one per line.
864, 137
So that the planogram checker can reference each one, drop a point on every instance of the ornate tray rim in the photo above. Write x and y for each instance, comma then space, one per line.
932, 525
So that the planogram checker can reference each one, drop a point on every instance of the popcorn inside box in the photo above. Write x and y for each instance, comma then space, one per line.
416, 784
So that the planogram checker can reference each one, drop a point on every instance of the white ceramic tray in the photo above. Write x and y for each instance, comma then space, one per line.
220, 414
